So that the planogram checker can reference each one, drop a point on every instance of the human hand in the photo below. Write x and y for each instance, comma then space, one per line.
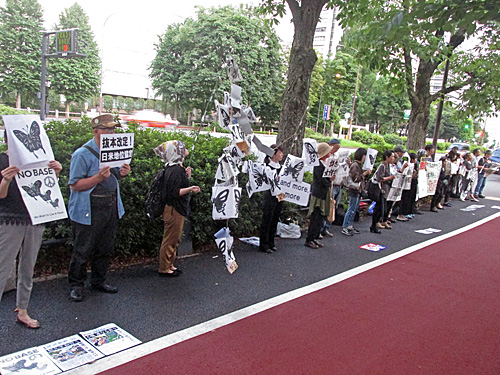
56, 166
195, 189
9, 173
104, 173
124, 170
188, 172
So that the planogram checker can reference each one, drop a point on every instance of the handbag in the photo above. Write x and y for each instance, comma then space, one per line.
350, 184
331, 215
373, 191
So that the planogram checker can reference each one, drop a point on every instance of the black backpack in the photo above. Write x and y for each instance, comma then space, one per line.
155, 197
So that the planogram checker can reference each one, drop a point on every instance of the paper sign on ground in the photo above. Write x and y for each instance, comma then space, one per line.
295, 192
373, 247
41, 194
34, 361
428, 231
110, 339
496, 207
71, 352
116, 149
254, 241
473, 207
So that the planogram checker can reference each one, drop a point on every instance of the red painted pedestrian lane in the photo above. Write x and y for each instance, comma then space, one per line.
434, 311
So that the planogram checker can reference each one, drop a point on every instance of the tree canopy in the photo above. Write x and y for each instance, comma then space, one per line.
411, 40
189, 58
21, 23
77, 78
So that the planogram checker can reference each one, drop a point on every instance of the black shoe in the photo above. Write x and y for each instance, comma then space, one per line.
76, 294
375, 230
481, 196
355, 231
105, 288
170, 274
269, 251
347, 232
447, 204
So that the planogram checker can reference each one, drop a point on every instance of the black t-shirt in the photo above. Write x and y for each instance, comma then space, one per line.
176, 179
12, 208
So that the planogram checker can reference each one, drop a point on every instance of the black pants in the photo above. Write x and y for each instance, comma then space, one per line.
315, 225
378, 211
438, 195
94, 243
271, 210
408, 199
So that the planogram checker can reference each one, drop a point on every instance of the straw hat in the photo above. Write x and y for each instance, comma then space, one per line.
324, 149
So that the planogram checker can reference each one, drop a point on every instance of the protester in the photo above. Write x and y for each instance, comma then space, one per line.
271, 206
319, 201
408, 197
467, 178
401, 166
476, 154
18, 237
336, 193
442, 182
357, 176
177, 190
384, 178
483, 165
451, 174
94, 208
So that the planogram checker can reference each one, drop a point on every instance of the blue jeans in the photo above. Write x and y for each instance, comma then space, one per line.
351, 211
481, 182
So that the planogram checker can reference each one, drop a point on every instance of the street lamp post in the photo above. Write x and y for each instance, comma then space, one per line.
102, 61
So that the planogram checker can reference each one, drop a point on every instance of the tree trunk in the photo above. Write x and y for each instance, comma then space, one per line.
420, 107
18, 100
295, 100
67, 108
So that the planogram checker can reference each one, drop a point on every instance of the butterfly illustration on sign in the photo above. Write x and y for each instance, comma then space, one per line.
237, 196
30, 138
372, 159
34, 191
313, 154
222, 249
259, 177
220, 201
293, 170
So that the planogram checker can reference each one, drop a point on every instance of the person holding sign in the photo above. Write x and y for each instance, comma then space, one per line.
383, 177
95, 206
319, 202
271, 206
18, 236
177, 196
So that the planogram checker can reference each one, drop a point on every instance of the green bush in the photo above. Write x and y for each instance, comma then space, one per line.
363, 136
394, 139
138, 235
6, 110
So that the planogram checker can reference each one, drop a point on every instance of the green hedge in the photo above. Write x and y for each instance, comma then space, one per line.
137, 234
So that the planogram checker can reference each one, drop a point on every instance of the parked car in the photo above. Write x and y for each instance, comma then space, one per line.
462, 147
495, 156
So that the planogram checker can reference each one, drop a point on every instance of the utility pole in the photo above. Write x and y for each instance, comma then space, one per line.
440, 105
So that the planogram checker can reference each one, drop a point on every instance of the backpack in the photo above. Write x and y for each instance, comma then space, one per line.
154, 203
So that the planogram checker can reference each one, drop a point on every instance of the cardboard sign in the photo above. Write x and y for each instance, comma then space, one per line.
433, 170
310, 152
116, 149
41, 194
225, 202
224, 243
295, 192
28, 143
422, 180
293, 168
331, 166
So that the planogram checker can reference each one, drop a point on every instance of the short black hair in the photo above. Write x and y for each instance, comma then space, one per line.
360, 152
476, 150
386, 154
413, 155
428, 147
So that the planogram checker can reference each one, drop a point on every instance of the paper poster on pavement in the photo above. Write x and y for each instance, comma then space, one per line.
41, 194
116, 149
373, 247
110, 339
428, 231
28, 143
34, 361
71, 352
224, 242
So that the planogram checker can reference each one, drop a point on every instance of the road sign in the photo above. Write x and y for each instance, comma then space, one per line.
406, 114
326, 112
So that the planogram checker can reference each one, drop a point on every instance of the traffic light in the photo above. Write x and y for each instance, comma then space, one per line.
66, 41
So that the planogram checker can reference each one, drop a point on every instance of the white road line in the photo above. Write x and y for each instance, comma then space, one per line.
188, 333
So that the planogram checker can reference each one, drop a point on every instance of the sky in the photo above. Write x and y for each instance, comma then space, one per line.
126, 32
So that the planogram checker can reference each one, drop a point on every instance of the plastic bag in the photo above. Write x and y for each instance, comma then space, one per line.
288, 230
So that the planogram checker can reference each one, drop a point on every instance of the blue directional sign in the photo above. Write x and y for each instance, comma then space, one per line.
326, 112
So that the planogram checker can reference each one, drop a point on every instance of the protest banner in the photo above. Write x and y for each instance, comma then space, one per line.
41, 194
116, 149
310, 152
293, 167
224, 242
295, 192
371, 156
28, 143
225, 202
422, 180
433, 169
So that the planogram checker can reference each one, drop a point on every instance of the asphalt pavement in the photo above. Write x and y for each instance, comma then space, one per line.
149, 307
